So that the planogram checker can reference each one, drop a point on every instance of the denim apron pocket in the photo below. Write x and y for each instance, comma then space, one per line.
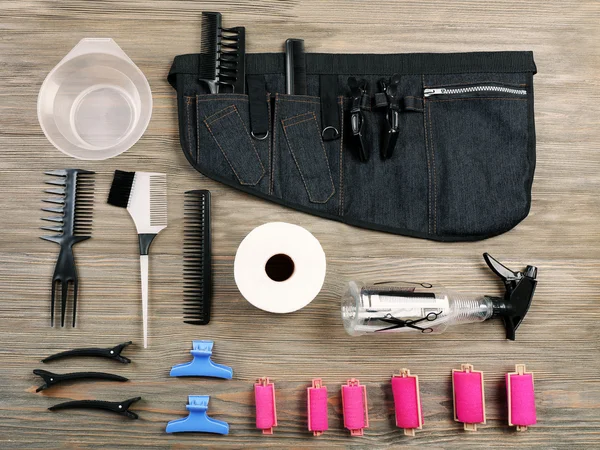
224, 145
478, 139
306, 168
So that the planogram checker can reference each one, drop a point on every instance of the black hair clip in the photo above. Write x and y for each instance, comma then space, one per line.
110, 353
51, 379
121, 408
360, 100
392, 117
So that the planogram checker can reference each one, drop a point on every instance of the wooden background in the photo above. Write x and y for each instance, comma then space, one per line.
559, 339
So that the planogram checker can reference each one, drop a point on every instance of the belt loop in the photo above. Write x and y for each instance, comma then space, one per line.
330, 114
258, 106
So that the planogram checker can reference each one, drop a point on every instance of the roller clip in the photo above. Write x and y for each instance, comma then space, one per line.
520, 398
352, 421
197, 421
469, 397
264, 395
201, 365
317, 420
407, 401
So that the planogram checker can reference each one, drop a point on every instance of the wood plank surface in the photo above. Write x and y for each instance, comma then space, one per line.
559, 341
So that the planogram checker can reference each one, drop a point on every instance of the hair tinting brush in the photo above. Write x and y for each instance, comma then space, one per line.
73, 207
223, 54
197, 271
295, 67
144, 195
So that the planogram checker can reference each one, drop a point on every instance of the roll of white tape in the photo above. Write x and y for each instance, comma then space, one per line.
279, 267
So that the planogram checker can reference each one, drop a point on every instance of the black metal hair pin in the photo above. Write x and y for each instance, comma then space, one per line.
51, 379
121, 408
110, 353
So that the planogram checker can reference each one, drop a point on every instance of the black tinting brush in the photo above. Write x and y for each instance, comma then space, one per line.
73, 207
222, 55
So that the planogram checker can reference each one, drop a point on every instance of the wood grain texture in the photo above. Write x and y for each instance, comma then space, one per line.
559, 340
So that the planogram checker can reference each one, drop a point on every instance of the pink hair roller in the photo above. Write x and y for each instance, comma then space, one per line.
407, 401
266, 414
317, 407
521, 398
354, 404
469, 399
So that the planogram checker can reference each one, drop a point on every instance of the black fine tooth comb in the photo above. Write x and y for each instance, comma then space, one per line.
73, 224
197, 270
121, 408
222, 55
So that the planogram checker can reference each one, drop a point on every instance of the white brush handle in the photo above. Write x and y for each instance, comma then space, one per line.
144, 272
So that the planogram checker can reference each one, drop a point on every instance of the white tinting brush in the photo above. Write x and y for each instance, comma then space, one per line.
144, 194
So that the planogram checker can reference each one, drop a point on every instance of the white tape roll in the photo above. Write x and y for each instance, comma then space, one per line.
279, 267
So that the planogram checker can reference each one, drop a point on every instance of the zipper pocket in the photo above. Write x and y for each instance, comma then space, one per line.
473, 89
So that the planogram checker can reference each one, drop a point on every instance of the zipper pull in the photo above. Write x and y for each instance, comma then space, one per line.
437, 91
391, 129
359, 98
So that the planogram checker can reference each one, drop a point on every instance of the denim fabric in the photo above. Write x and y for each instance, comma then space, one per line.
482, 169
217, 137
306, 170
462, 168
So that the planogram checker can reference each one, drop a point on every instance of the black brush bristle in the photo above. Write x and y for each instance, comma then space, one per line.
120, 188
197, 268
209, 45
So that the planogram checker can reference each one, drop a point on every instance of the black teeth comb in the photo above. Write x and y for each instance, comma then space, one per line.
222, 55
74, 225
197, 270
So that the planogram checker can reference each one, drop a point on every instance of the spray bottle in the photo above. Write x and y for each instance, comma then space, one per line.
423, 309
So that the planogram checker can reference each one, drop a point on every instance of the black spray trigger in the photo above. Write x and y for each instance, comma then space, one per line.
520, 287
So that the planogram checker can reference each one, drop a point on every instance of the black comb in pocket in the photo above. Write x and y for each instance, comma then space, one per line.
197, 269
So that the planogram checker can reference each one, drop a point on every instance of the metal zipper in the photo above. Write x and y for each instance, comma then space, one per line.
470, 89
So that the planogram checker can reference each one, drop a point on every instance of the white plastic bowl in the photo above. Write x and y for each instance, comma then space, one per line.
96, 103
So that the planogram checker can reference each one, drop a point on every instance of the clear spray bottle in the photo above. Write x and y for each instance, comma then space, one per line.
422, 308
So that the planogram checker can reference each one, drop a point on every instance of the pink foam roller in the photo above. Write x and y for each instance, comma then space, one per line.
266, 414
521, 398
354, 404
317, 407
469, 400
407, 401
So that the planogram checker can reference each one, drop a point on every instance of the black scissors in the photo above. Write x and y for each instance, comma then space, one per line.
399, 323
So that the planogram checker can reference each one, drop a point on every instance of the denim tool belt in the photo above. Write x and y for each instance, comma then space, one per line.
437, 146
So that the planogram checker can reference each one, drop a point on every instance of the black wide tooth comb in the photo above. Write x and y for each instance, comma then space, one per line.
197, 269
74, 219
222, 54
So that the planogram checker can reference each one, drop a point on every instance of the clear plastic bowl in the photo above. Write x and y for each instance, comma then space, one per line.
96, 103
